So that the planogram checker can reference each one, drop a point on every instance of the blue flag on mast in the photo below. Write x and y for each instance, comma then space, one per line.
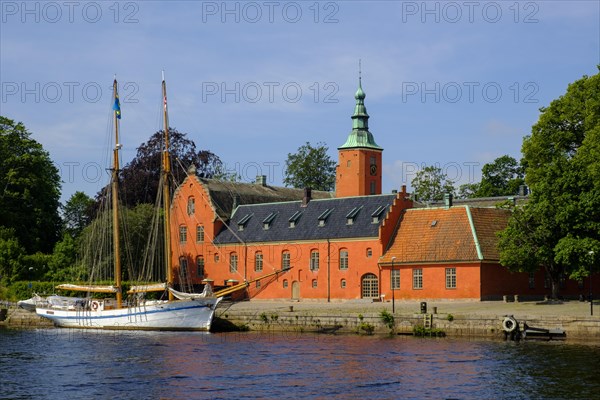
117, 107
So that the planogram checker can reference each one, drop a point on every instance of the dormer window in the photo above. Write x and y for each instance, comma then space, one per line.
376, 216
324, 215
242, 222
351, 216
267, 221
294, 219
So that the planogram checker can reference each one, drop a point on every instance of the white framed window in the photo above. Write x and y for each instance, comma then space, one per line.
258, 261
285, 260
233, 262
395, 282
199, 233
344, 259
314, 260
182, 234
450, 278
418, 278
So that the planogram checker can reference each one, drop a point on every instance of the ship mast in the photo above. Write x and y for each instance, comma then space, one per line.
115, 196
166, 170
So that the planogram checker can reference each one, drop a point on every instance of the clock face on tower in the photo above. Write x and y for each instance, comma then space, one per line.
373, 169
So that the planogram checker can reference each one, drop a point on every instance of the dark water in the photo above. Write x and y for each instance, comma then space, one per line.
74, 364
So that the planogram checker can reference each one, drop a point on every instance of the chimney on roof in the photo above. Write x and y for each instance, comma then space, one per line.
236, 201
261, 180
307, 197
448, 200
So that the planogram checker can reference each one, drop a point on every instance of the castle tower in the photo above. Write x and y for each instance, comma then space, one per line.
358, 172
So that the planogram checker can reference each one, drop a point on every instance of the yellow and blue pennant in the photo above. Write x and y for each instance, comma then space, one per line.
117, 107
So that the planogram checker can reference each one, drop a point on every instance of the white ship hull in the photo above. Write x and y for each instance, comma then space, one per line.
196, 315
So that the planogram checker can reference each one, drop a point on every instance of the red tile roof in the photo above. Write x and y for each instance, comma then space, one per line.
487, 222
445, 235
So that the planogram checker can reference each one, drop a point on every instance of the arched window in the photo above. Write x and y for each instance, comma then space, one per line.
369, 286
314, 283
258, 261
343, 284
199, 233
183, 234
343, 259
285, 259
369, 252
191, 206
285, 283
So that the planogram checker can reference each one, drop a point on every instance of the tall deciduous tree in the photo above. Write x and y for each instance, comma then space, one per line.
559, 228
29, 189
77, 213
502, 177
430, 184
310, 167
140, 178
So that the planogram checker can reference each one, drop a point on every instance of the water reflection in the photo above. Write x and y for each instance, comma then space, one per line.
74, 364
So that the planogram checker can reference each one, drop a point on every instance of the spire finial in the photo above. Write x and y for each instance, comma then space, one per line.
359, 72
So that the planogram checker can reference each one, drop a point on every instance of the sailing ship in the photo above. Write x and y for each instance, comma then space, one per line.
182, 311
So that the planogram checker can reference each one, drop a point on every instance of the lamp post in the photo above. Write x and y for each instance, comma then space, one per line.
591, 253
393, 287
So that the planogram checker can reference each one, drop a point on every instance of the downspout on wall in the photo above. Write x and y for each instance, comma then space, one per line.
328, 271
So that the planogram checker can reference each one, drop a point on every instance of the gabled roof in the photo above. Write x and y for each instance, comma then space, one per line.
307, 226
460, 233
487, 222
225, 196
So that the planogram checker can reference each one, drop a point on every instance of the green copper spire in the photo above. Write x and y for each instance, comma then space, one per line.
360, 135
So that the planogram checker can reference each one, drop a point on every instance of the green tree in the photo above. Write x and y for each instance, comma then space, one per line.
560, 225
468, 190
140, 228
310, 167
29, 189
502, 177
11, 256
77, 213
62, 266
430, 184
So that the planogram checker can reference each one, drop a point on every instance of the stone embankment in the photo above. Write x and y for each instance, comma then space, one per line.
454, 318
15, 317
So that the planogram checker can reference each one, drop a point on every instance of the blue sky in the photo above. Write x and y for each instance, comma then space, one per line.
455, 84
